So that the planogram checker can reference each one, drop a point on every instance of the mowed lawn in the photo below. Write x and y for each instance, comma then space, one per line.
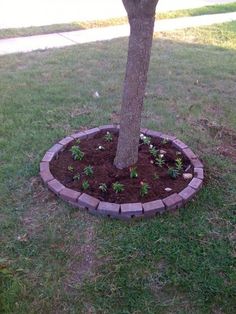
56, 259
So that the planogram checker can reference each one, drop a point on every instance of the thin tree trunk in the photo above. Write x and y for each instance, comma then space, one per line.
140, 42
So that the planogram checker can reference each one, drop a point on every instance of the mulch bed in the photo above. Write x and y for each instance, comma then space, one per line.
64, 168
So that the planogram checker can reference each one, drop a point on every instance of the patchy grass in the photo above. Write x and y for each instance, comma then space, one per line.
55, 259
79, 25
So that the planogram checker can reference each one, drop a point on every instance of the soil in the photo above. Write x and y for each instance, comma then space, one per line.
105, 172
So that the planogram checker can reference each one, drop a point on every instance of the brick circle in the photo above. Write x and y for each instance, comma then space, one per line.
128, 210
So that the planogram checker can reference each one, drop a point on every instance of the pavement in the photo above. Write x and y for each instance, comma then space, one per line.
26, 13
58, 40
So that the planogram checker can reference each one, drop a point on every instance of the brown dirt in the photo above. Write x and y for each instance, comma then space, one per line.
105, 172
82, 263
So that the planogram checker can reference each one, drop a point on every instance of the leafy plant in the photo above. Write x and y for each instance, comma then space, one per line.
144, 188
103, 187
153, 151
88, 170
155, 176
146, 140
165, 141
85, 185
173, 172
76, 177
77, 141
77, 154
160, 160
178, 164
118, 187
133, 172
70, 168
108, 137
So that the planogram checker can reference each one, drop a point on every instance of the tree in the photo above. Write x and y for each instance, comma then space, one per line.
141, 16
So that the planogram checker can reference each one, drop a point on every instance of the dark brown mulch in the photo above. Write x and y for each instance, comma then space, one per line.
106, 172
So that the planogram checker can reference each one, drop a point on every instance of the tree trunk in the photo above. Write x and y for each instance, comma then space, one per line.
141, 14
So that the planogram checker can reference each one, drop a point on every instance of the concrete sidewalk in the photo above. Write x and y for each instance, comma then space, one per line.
26, 13
42, 42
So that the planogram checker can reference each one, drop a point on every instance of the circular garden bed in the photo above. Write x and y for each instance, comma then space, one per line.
80, 170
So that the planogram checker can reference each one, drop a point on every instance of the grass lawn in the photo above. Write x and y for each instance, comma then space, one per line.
55, 259
78, 25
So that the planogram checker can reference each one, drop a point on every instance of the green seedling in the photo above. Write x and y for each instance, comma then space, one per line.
85, 185
173, 172
77, 154
153, 151
159, 161
118, 187
133, 172
70, 168
144, 189
76, 177
103, 187
89, 171
108, 137
178, 164
165, 141
156, 176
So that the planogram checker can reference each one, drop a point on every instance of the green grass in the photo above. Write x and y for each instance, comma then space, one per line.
212, 9
57, 259
79, 25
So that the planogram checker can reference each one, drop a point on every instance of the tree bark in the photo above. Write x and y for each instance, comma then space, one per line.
141, 14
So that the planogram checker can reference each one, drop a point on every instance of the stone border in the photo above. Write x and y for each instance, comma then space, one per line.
129, 210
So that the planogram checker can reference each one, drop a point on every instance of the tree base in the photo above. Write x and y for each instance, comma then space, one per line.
60, 172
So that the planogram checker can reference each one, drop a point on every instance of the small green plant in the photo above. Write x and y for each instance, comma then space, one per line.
108, 137
146, 140
88, 170
118, 187
144, 188
85, 185
103, 187
155, 176
77, 154
133, 172
153, 151
77, 141
76, 177
173, 172
70, 168
165, 141
160, 160
178, 164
